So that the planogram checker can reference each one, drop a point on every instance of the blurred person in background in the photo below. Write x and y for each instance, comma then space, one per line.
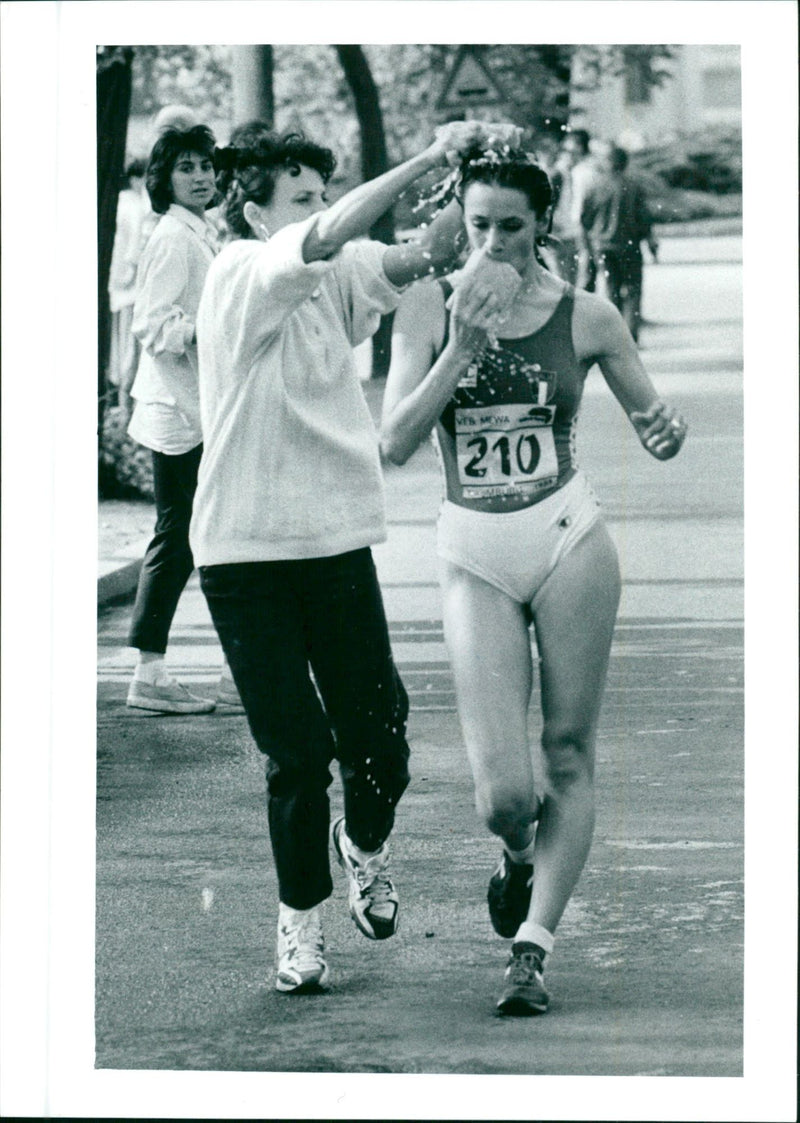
181, 184
133, 206
573, 174
617, 220
176, 117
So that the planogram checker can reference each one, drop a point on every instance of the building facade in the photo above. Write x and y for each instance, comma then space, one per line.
703, 91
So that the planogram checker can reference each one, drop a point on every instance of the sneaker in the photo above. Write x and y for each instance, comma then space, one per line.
227, 694
168, 697
301, 966
509, 895
524, 992
372, 896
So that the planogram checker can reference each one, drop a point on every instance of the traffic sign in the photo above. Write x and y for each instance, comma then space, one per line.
469, 82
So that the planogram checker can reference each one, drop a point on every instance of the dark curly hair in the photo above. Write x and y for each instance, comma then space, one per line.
510, 167
170, 145
247, 172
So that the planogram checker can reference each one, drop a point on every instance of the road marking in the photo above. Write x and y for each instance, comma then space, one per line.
683, 844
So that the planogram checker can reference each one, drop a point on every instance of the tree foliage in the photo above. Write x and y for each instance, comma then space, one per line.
196, 76
312, 91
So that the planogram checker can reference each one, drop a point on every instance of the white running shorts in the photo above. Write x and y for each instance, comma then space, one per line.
516, 551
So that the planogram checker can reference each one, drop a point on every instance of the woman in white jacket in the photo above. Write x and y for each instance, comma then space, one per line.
180, 181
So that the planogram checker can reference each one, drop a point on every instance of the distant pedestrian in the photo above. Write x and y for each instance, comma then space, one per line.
288, 505
133, 208
181, 184
617, 220
574, 173
497, 366
174, 118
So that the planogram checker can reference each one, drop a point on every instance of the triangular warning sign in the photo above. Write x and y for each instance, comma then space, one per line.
468, 82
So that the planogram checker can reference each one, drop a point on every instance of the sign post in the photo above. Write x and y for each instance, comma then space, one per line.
470, 83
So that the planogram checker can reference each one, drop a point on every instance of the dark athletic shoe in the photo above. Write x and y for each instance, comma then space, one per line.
509, 896
524, 992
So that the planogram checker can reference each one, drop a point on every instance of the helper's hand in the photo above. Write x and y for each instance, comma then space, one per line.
661, 430
453, 140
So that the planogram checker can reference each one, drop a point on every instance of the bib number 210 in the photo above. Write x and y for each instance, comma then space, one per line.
526, 452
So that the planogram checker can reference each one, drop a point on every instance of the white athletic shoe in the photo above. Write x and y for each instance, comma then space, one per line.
166, 697
301, 966
372, 896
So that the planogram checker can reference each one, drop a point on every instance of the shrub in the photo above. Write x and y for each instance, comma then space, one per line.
124, 467
709, 161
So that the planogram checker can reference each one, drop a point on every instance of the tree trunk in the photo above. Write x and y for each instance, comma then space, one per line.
374, 162
253, 96
558, 61
113, 105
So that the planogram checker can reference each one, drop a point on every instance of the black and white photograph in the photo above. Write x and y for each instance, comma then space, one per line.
353, 787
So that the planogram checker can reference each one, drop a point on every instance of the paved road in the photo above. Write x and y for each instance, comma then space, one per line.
647, 973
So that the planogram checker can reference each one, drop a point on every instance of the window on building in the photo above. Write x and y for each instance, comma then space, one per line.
722, 88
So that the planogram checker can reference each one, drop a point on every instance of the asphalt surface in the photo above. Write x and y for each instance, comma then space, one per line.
646, 976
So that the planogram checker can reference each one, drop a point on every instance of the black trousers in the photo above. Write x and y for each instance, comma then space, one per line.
168, 563
280, 622
622, 274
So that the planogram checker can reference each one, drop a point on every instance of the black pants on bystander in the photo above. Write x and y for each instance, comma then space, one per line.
280, 623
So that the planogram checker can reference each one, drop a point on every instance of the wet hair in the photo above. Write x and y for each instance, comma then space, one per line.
248, 172
171, 144
509, 167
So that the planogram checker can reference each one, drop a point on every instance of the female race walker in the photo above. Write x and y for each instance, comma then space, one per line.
290, 500
520, 539
180, 181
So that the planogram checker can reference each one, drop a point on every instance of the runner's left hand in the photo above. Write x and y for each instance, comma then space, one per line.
661, 430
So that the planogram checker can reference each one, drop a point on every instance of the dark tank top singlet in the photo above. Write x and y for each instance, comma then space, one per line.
512, 417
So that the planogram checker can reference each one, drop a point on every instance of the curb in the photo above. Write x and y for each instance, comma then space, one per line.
719, 226
118, 583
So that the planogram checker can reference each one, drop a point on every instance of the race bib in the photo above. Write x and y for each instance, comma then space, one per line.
505, 449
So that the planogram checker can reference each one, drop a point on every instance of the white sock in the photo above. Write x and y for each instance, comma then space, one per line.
532, 933
356, 852
152, 672
524, 856
286, 912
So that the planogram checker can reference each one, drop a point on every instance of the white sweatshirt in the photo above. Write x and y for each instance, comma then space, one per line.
172, 270
290, 465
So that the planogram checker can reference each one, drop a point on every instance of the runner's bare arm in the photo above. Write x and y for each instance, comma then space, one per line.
408, 413
601, 336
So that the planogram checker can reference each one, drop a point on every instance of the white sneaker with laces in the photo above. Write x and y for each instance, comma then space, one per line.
301, 966
372, 896
167, 697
